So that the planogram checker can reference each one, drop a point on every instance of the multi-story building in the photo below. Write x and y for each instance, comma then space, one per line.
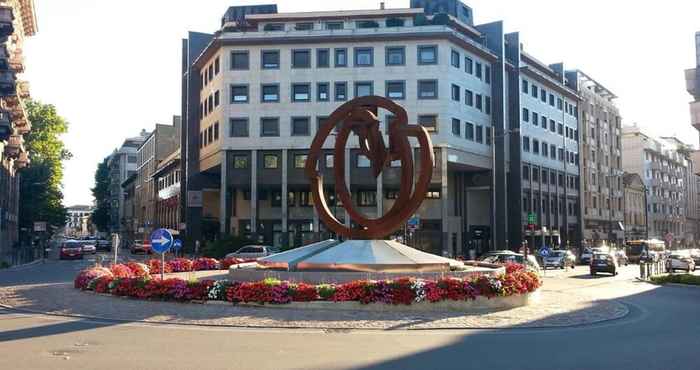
600, 126
155, 148
690, 191
122, 163
76, 224
167, 181
17, 21
664, 171
692, 84
635, 207
255, 92
129, 222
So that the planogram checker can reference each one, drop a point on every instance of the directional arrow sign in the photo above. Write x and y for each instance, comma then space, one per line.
177, 244
161, 240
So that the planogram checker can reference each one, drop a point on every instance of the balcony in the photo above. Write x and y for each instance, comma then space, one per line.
15, 146
16, 61
691, 84
695, 114
6, 19
23, 160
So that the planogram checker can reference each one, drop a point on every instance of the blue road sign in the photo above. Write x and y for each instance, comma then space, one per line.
544, 251
161, 240
177, 244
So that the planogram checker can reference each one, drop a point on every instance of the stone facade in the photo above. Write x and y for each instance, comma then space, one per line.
635, 201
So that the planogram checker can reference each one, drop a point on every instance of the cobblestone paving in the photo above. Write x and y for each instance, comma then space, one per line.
552, 309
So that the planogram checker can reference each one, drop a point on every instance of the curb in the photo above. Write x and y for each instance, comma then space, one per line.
683, 285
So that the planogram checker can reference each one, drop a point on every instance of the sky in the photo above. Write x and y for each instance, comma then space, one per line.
112, 68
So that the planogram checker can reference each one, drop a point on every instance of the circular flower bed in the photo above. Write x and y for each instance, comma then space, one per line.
405, 291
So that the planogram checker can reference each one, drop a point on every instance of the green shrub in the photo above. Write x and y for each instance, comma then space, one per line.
219, 248
677, 279
4, 265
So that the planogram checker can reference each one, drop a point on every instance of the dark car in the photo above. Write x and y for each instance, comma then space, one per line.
70, 249
103, 245
604, 262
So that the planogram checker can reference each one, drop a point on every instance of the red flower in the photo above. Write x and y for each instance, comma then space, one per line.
303, 293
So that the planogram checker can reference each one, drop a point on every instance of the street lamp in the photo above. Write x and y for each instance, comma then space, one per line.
493, 178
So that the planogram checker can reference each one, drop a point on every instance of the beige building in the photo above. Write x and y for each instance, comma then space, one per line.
635, 207
17, 21
163, 141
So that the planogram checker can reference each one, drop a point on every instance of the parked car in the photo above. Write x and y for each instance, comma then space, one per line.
559, 259
103, 245
141, 246
622, 257
88, 246
506, 256
695, 255
604, 262
678, 261
70, 249
253, 251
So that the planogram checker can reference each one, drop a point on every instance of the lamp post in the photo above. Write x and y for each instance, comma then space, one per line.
493, 178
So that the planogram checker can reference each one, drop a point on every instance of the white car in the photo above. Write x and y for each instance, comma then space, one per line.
252, 251
88, 246
679, 262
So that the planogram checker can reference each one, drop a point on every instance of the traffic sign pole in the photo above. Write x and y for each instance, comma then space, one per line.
161, 242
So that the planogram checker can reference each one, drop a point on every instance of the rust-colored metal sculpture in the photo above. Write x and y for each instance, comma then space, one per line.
360, 117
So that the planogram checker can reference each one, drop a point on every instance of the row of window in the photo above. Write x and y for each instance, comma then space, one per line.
335, 25
209, 135
549, 205
549, 151
209, 72
363, 198
471, 99
209, 104
540, 92
472, 132
362, 57
471, 67
535, 175
301, 126
169, 180
541, 120
302, 91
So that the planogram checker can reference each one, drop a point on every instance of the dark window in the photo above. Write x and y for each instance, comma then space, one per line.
526, 143
341, 57
545, 149
323, 58
479, 134
300, 126
526, 115
479, 103
525, 86
526, 173
469, 131
306, 26
395, 56
477, 70
239, 127
395, 22
468, 65
427, 54
300, 160
364, 88
535, 118
217, 66
341, 91
334, 25
543, 119
364, 57
269, 127
535, 176
456, 96
535, 146
488, 135
322, 93
456, 125
468, 98
487, 74
270, 161
239, 60
239, 93
543, 95
270, 93
553, 151
216, 98
274, 27
320, 121
301, 58
270, 59
552, 125
559, 103
533, 91
216, 131
551, 99
301, 92
487, 104
560, 129
454, 58
427, 89
396, 89
366, 24
429, 121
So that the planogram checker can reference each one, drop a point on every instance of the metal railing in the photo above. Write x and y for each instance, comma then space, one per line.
649, 269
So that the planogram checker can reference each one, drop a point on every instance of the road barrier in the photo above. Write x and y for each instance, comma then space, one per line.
649, 269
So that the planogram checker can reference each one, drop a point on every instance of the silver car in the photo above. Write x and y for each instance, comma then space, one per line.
559, 259
252, 251
678, 261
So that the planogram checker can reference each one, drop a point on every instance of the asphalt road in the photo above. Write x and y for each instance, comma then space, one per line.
661, 332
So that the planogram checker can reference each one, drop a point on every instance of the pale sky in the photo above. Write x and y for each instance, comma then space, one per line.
113, 67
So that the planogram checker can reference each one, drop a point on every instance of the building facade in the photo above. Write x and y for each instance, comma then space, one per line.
664, 172
154, 149
17, 21
635, 206
129, 221
692, 83
601, 148
504, 125
122, 164
77, 224
167, 181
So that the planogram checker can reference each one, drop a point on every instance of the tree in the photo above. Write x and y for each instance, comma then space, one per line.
40, 184
101, 215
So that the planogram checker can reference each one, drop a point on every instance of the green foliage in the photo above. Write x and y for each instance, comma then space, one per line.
40, 184
677, 279
218, 249
101, 215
